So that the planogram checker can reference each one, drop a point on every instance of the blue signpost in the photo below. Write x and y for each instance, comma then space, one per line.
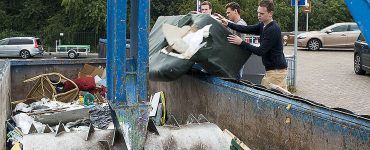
296, 3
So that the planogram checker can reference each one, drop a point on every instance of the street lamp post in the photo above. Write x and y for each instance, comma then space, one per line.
60, 38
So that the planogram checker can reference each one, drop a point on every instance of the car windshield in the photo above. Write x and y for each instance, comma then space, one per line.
327, 28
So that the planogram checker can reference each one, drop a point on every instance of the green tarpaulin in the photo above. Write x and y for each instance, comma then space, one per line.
217, 57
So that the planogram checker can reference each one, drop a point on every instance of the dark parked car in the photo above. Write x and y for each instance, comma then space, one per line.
362, 56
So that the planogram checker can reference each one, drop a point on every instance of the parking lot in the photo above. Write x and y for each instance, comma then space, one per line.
327, 77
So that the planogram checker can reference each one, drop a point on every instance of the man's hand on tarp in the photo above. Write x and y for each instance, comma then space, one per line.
223, 20
234, 39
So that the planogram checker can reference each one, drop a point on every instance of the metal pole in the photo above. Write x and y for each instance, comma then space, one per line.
111, 44
295, 41
307, 22
127, 73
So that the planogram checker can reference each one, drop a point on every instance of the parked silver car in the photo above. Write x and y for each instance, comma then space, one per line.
338, 35
24, 47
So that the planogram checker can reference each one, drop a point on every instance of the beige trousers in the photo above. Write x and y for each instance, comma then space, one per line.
277, 77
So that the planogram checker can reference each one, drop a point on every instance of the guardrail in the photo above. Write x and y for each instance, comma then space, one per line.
252, 39
291, 73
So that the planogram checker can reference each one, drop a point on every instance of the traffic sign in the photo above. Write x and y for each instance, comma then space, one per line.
300, 2
308, 7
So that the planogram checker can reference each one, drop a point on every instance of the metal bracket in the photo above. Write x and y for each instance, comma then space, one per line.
191, 119
172, 121
202, 119
60, 129
118, 139
152, 127
90, 132
32, 129
47, 129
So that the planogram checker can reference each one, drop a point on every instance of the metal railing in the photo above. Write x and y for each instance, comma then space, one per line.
252, 39
291, 73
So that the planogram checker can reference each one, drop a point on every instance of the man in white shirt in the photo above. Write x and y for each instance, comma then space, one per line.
233, 14
206, 8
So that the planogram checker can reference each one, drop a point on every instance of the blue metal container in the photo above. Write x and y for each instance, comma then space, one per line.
264, 119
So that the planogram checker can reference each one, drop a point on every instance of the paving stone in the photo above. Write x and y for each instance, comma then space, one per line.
327, 77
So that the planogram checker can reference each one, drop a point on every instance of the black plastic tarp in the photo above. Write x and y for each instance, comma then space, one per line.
218, 57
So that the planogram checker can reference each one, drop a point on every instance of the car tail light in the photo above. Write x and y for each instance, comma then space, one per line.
36, 45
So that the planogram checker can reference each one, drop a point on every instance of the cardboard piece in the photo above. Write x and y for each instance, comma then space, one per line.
89, 70
154, 104
104, 75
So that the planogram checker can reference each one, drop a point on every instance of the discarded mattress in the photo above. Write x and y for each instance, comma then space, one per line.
178, 42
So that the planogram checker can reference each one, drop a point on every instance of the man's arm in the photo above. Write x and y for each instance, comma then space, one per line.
266, 44
243, 37
251, 29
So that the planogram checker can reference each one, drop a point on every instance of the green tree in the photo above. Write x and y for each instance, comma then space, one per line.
86, 15
3, 18
29, 18
52, 17
325, 13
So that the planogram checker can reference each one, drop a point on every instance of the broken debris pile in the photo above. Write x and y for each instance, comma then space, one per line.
59, 102
100, 116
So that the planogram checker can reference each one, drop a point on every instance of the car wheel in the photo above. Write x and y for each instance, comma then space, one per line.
25, 54
314, 44
357, 65
72, 54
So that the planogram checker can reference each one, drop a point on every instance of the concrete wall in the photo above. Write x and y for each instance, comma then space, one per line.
25, 69
4, 100
261, 119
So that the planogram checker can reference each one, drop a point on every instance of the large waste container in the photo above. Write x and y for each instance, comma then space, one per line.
102, 47
253, 70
